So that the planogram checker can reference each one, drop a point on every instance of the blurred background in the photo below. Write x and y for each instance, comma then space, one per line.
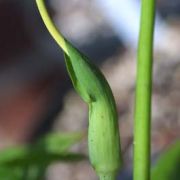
36, 94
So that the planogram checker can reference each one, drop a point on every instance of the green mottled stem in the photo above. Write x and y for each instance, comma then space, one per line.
142, 132
107, 177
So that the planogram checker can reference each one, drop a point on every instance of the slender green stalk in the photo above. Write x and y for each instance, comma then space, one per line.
58, 37
142, 134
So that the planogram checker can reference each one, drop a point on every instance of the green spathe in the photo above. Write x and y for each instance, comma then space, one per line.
104, 141
104, 147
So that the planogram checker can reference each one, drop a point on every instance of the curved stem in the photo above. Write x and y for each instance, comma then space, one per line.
50, 25
142, 130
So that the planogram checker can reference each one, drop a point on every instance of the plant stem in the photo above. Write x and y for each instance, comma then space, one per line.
56, 34
142, 132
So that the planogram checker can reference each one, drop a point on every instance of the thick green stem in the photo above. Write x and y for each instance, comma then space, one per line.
142, 132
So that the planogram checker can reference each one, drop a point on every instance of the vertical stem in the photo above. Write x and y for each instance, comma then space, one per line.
142, 132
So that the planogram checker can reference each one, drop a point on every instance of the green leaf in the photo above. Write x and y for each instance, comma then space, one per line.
168, 165
7, 173
59, 142
51, 144
12, 153
31, 161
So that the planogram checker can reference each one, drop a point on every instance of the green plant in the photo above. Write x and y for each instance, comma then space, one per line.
103, 139
30, 161
142, 125
167, 166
